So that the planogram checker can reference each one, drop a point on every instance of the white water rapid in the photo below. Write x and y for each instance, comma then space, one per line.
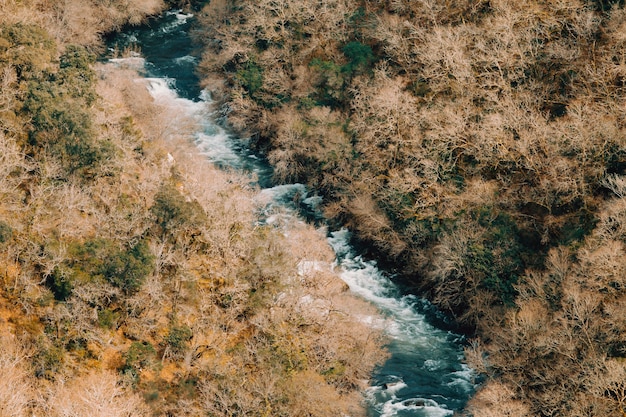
424, 375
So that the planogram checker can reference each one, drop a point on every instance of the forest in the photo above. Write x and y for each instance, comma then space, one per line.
478, 146
135, 278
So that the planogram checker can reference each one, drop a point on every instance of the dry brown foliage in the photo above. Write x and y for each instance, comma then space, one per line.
565, 334
224, 300
16, 391
97, 394
481, 151
78, 22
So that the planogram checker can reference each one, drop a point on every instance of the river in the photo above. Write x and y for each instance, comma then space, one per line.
425, 374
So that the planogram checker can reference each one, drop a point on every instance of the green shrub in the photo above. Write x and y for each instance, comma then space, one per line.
28, 48
102, 259
481, 262
108, 318
332, 78
75, 75
334, 373
48, 361
61, 283
140, 355
178, 339
52, 114
173, 211
361, 58
64, 130
128, 269
497, 259
57, 105
306, 103
330, 84
6, 232
250, 77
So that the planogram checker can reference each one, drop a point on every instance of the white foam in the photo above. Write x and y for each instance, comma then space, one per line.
135, 62
162, 89
205, 95
216, 147
340, 241
285, 190
281, 196
314, 201
394, 387
432, 364
180, 15
187, 59
365, 279
181, 111
425, 407
181, 19
463, 379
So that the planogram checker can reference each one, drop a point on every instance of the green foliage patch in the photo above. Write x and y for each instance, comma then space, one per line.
360, 58
75, 74
128, 269
6, 232
48, 361
173, 212
108, 318
140, 355
250, 77
102, 259
333, 78
27, 48
330, 83
61, 282
57, 104
496, 259
178, 339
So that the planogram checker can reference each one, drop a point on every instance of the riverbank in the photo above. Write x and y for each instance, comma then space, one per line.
136, 279
425, 363
476, 146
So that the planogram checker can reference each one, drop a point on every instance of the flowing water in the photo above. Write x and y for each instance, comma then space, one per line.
424, 375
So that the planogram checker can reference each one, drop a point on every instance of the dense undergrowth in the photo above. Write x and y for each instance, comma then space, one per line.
476, 145
134, 278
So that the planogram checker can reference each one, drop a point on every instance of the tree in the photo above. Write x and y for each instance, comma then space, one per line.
16, 391
96, 394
